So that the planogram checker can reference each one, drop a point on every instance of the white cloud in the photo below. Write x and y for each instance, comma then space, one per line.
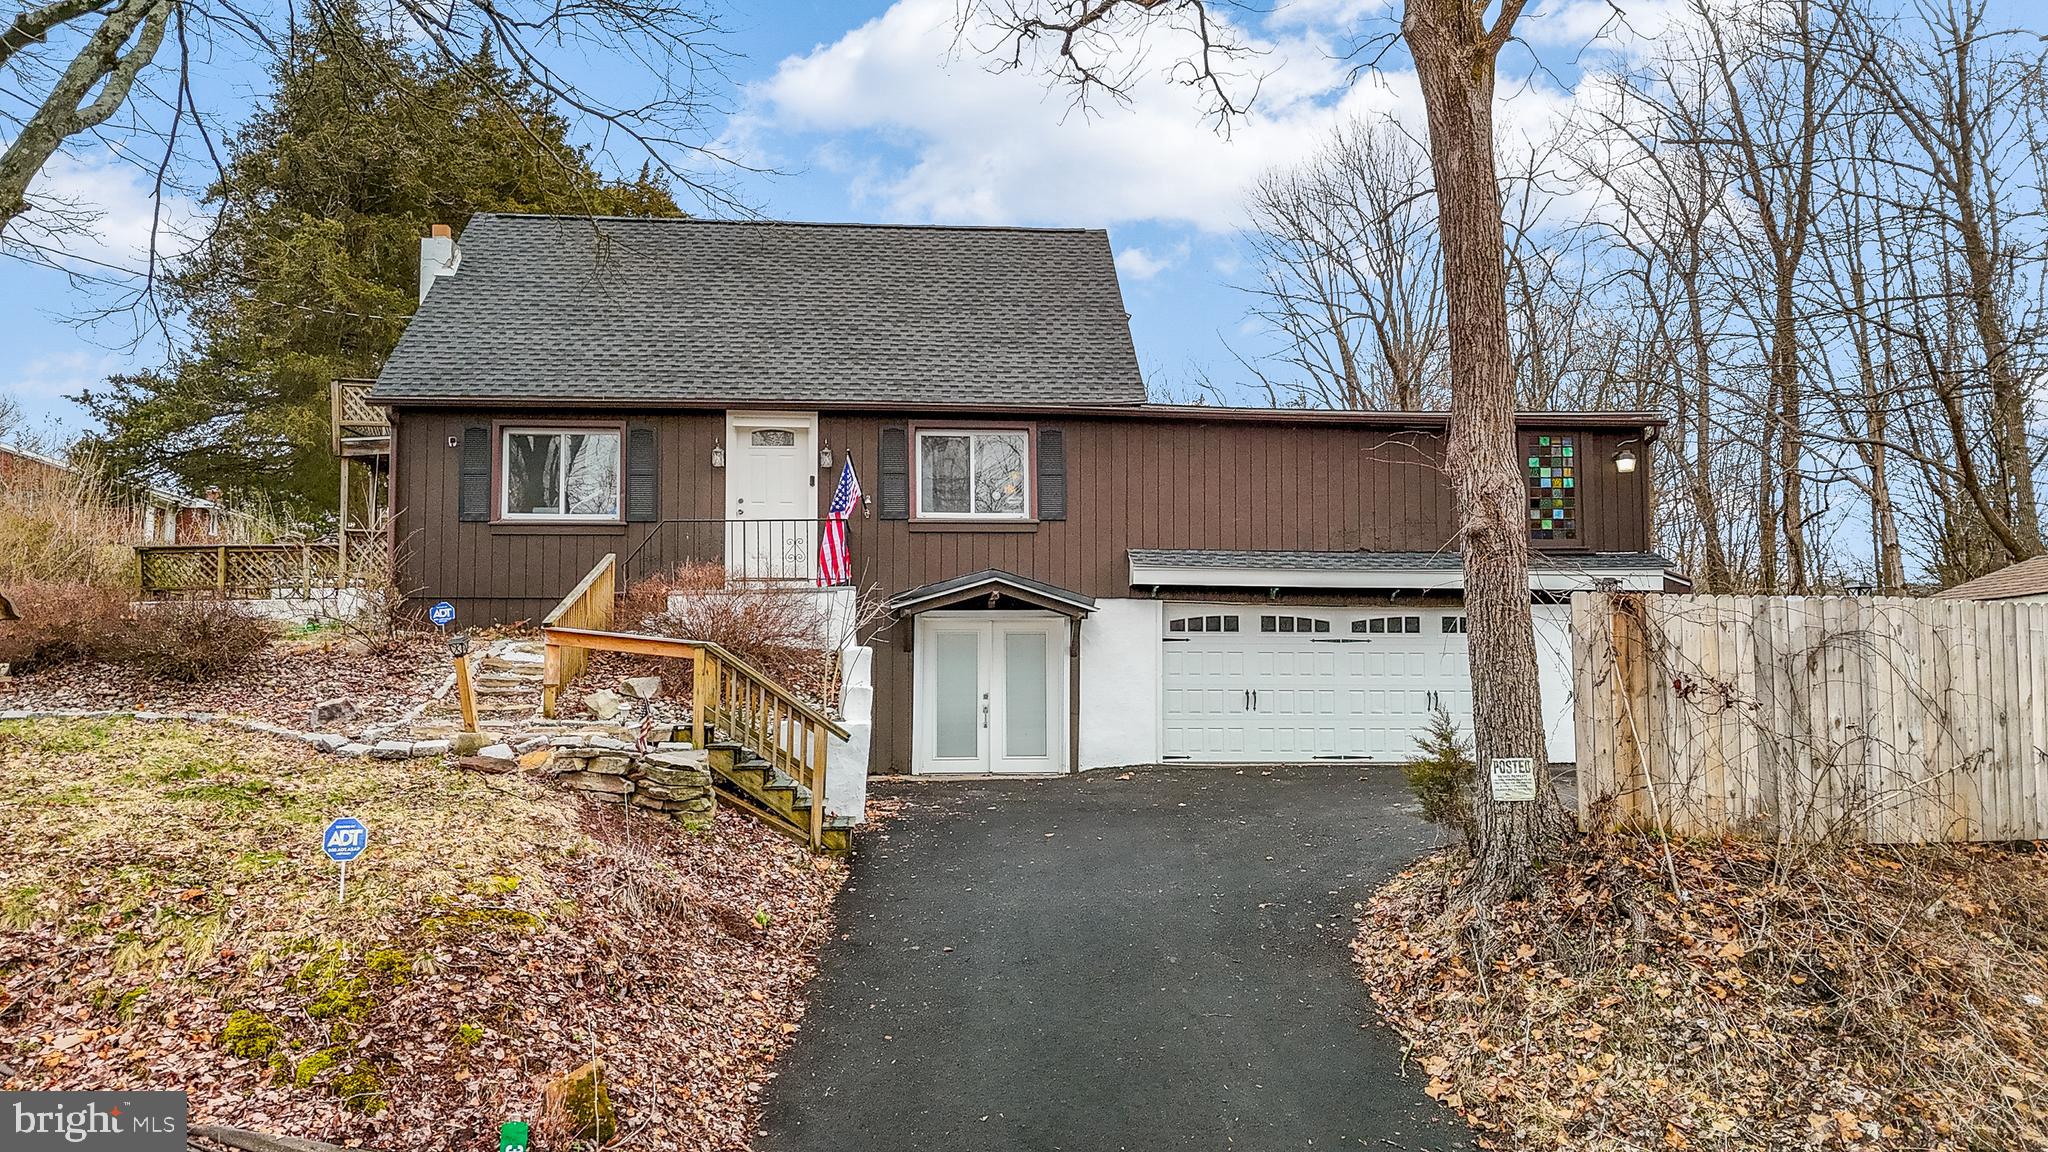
51, 377
977, 146
115, 199
1136, 263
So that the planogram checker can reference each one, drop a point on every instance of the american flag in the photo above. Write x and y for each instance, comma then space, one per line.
835, 564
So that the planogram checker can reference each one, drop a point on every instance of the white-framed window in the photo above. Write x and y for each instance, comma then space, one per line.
559, 474
1293, 624
968, 474
1379, 625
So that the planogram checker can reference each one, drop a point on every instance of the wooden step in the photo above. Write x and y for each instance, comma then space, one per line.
771, 795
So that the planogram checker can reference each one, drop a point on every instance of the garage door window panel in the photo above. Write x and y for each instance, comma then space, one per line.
1292, 624
1202, 624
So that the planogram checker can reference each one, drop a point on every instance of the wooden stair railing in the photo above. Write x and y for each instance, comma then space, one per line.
728, 697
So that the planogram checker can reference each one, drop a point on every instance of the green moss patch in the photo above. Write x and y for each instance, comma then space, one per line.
249, 1035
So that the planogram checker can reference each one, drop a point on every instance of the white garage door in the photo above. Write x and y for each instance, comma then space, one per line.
1258, 683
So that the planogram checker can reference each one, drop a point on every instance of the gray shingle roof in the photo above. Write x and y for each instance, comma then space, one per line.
2026, 578
1381, 561
614, 310
989, 577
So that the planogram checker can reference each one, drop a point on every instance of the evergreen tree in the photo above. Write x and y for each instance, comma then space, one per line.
310, 271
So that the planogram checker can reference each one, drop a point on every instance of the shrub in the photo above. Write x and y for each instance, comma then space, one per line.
192, 640
776, 628
61, 623
186, 641
1441, 776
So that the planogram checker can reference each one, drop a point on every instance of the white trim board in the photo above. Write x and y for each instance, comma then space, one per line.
1433, 580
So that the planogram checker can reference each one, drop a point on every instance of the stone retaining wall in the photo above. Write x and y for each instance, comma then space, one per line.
675, 782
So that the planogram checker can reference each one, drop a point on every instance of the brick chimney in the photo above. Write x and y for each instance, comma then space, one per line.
438, 257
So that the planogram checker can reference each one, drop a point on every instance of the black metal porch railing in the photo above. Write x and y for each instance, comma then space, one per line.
749, 549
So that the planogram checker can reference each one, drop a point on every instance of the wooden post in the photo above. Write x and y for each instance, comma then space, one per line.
701, 681
821, 745
341, 557
220, 571
551, 677
306, 568
466, 692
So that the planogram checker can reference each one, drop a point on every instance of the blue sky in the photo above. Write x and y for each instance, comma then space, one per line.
866, 111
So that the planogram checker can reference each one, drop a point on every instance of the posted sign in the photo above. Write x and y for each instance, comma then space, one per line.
343, 841
1513, 778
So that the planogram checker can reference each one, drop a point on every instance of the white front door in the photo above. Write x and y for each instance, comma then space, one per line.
1263, 683
991, 693
771, 495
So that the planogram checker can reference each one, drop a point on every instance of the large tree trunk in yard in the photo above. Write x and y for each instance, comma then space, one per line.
1454, 55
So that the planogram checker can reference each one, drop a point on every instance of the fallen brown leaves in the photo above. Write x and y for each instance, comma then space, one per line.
280, 686
499, 934
1862, 999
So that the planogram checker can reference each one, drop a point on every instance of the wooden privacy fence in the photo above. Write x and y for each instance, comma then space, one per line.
1807, 718
236, 571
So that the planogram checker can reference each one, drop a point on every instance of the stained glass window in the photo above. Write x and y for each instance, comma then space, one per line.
1553, 489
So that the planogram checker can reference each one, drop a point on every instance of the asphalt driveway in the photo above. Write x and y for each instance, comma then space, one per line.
1095, 963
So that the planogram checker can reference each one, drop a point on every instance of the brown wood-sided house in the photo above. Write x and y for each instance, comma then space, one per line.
1075, 578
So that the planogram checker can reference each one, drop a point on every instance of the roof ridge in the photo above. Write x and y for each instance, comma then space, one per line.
879, 225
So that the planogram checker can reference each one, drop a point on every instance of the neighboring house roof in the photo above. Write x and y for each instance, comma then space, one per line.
2026, 578
614, 310
161, 497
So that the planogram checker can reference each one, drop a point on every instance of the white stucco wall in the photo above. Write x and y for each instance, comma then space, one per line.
846, 761
1554, 679
1120, 683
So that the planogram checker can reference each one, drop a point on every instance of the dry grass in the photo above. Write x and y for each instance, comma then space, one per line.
65, 526
167, 921
1862, 999
88, 838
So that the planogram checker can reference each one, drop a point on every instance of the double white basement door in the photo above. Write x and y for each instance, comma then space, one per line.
992, 693
1269, 684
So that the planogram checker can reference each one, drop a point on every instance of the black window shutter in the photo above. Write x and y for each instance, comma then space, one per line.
893, 465
643, 476
1052, 474
473, 499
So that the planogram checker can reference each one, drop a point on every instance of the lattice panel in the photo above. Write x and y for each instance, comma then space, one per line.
243, 571
176, 571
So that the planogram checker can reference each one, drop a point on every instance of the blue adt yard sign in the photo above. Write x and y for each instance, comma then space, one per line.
343, 841
346, 838
442, 614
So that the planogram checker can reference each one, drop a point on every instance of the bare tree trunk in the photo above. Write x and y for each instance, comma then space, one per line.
1454, 55
1715, 575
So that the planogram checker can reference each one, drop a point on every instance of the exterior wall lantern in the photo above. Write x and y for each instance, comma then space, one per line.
717, 454
825, 456
1625, 461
